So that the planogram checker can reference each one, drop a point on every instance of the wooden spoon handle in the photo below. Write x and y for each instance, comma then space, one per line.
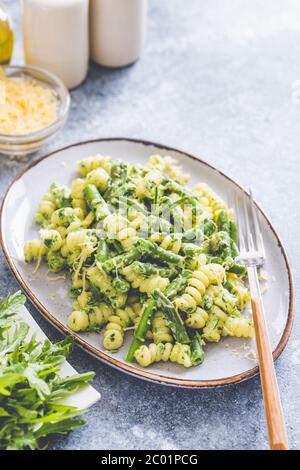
273, 409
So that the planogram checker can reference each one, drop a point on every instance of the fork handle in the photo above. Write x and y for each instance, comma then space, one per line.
273, 409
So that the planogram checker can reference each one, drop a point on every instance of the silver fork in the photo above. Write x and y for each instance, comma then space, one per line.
252, 254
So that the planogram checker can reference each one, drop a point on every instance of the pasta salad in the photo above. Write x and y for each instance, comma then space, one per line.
147, 253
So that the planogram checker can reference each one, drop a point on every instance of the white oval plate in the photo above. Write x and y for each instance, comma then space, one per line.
226, 362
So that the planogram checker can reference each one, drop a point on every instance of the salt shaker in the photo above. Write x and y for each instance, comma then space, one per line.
56, 37
117, 31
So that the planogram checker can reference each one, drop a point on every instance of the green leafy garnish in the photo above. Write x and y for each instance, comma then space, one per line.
30, 385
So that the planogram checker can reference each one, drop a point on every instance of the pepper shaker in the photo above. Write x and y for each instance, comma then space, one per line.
117, 31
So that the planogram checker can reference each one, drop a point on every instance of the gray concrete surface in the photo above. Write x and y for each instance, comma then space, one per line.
216, 79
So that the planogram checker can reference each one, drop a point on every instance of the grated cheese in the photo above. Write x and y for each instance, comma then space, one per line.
25, 105
56, 278
264, 275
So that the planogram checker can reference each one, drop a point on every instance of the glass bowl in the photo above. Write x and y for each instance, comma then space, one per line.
21, 145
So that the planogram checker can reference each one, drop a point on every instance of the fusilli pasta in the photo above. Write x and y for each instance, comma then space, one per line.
144, 252
179, 353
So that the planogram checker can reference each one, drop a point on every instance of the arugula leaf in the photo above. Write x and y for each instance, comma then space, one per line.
11, 305
30, 386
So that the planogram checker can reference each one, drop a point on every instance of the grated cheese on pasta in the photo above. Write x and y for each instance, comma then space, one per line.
25, 105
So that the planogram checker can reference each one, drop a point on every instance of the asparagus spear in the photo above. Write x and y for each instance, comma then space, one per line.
147, 247
162, 254
119, 171
170, 209
234, 231
190, 249
220, 244
229, 286
96, 202
116, 246
193, 235
208, 227
102, 251
198, 354
118, 180
175, 321
120, 261
177, 285
130, 202
148, 269
239, 269
187, 199
173, 186
145, 321
228, 227
230, 265
124, 259
140, 334
121, 284
157, 224
234, 249
167, 256
223, 222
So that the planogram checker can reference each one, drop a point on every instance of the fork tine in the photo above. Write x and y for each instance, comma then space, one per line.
255, 221
237, 216
247, 223
257, 230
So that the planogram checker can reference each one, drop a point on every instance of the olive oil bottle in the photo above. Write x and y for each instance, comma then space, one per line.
6, 37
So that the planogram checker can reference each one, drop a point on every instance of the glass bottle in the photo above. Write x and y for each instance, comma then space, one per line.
6, 37
117, 31
56, 37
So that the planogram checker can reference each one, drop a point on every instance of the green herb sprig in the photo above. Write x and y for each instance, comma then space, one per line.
30, 384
